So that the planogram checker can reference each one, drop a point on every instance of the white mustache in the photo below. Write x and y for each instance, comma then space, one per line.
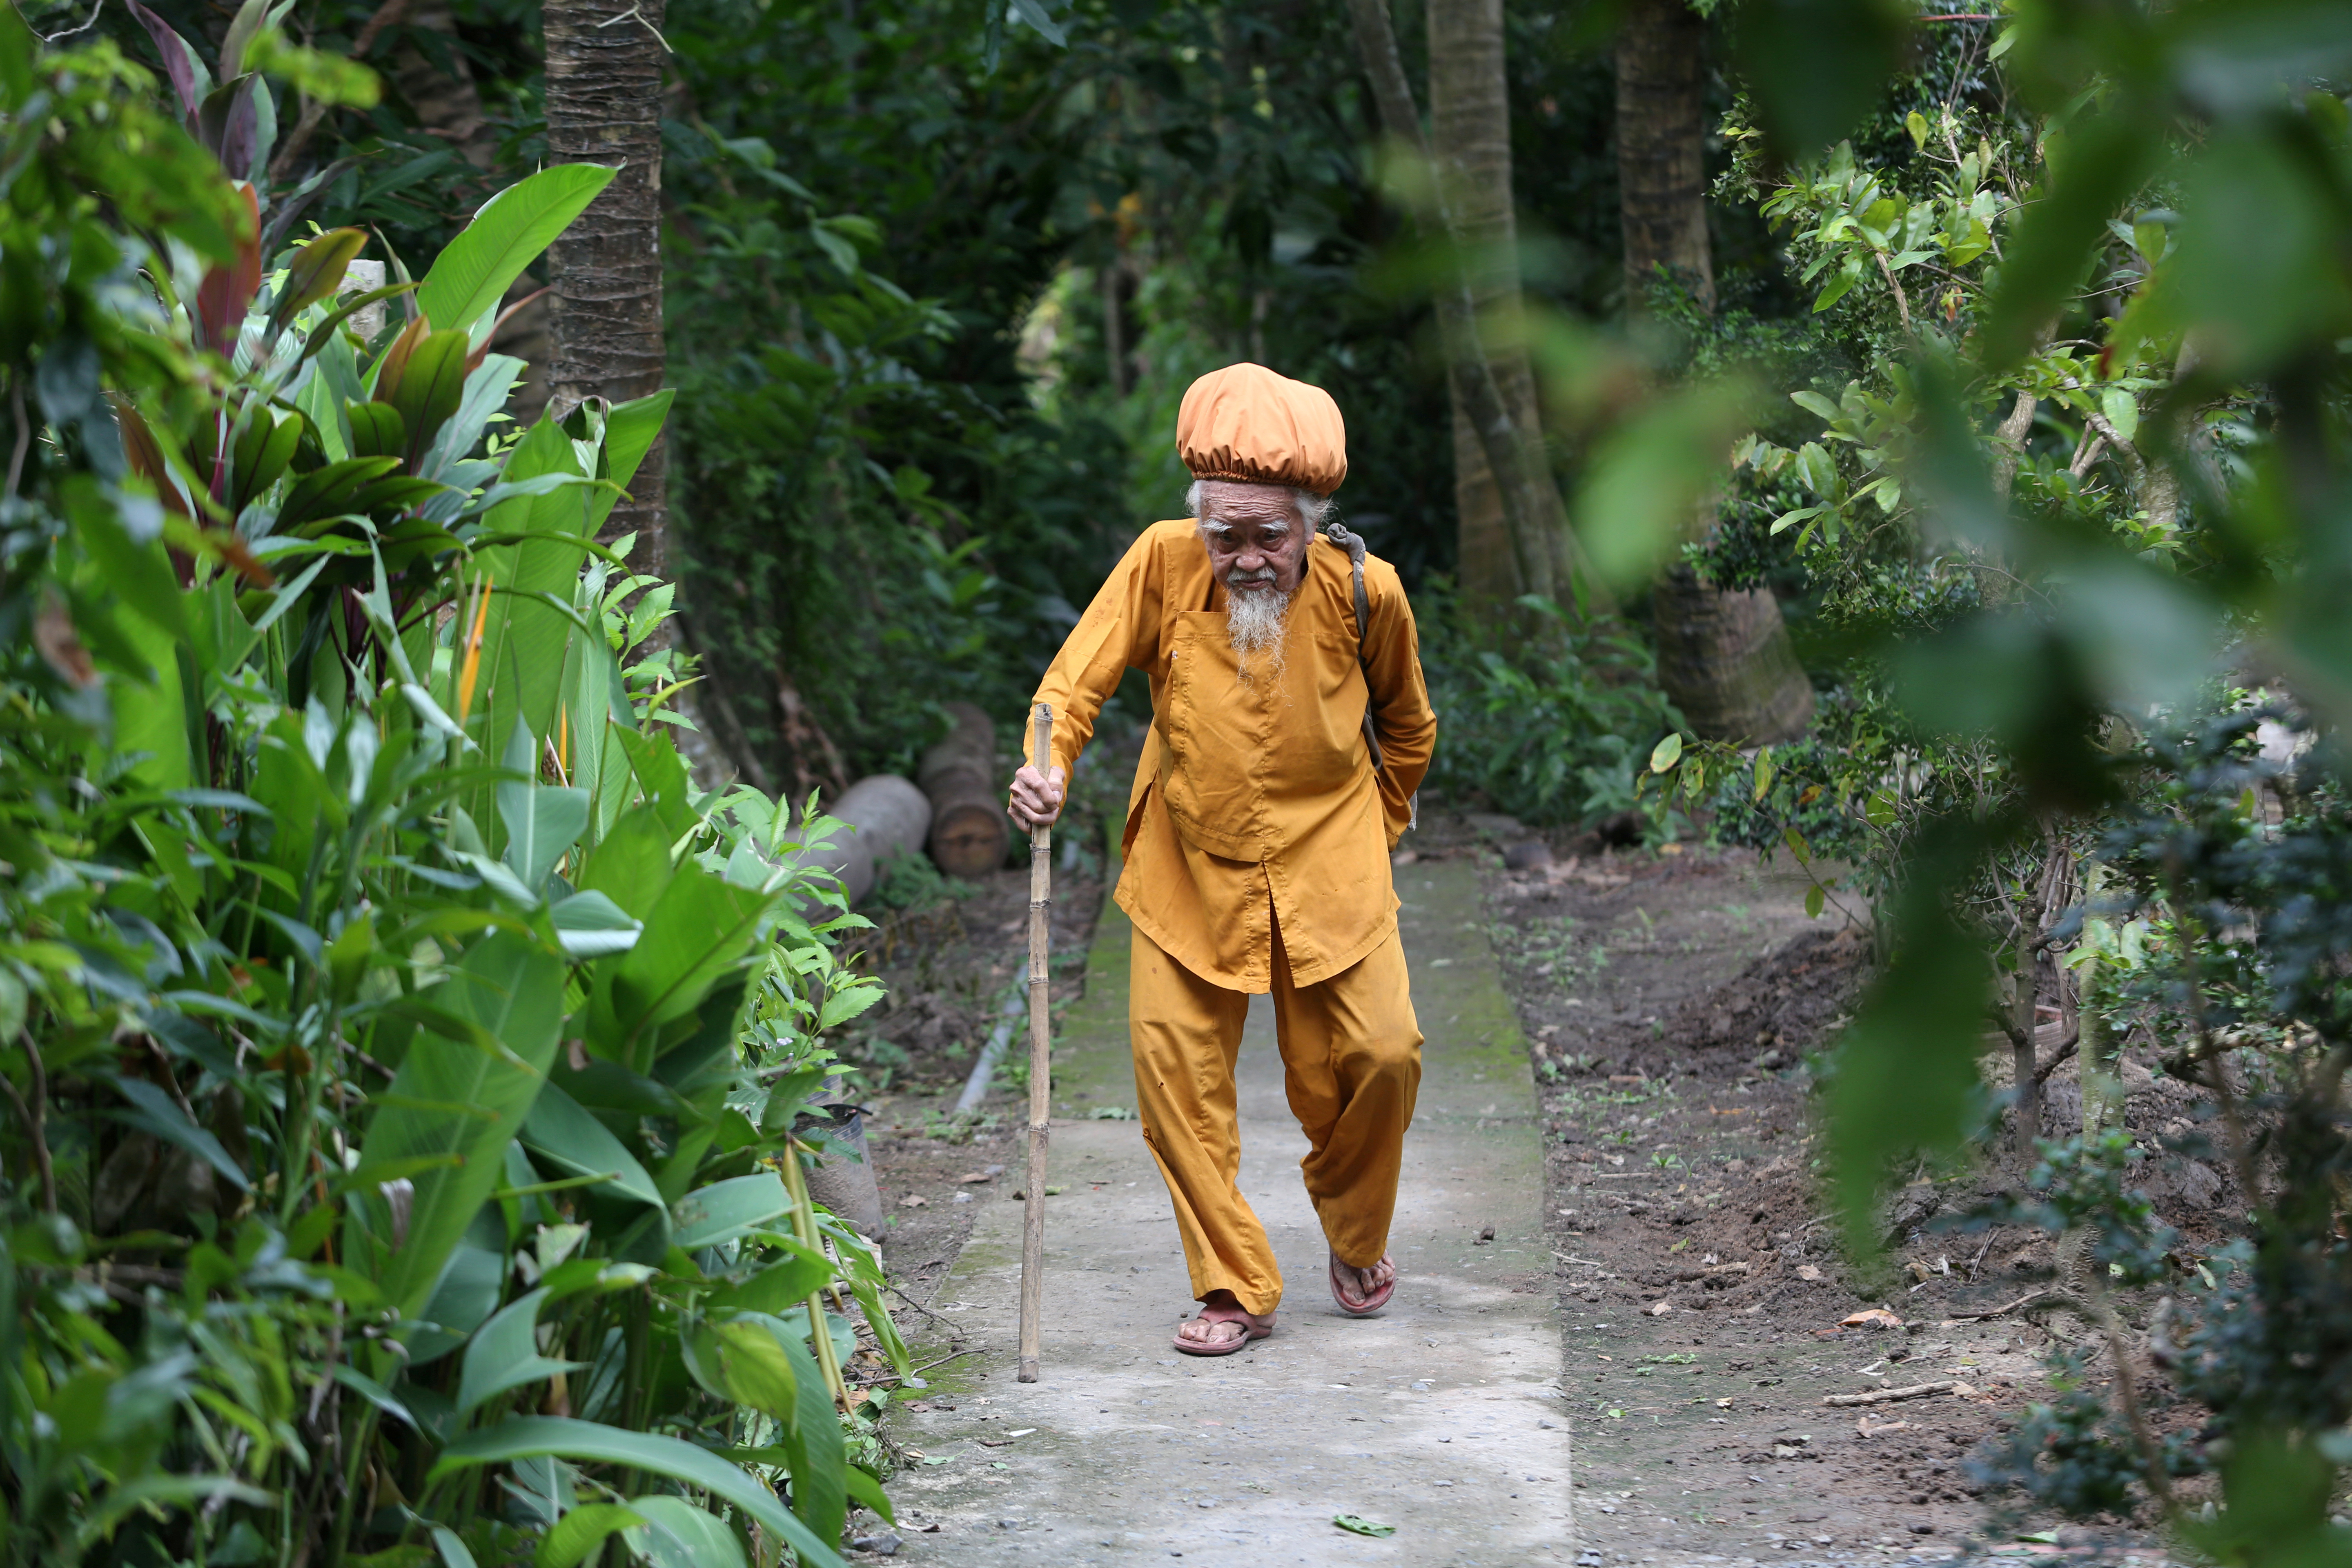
1265, 579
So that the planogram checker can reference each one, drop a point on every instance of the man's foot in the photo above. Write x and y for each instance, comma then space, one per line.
1360, 1292
1221, 1327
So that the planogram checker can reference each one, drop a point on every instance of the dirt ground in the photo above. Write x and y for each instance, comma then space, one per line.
1669, 1001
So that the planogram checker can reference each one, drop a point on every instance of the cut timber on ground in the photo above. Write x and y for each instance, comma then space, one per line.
968, 829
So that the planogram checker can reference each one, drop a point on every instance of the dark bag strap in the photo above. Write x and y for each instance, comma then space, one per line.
1352, 542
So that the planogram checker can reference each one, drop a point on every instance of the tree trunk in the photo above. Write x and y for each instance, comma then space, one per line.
1470, 138
603, 106
1661, 149
1114, 305
1470, 132
1545, 555
1725, 657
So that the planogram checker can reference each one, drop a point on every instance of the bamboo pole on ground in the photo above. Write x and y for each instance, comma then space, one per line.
1041, 1029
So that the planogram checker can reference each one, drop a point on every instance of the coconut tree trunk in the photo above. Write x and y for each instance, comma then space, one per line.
1470, 134
1662, 148
1724, 656
603, 106
1543, 554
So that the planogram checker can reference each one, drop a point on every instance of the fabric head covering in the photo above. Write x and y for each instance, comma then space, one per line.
1244, 422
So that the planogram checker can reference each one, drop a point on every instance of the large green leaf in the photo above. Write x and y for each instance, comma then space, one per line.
581, 1532
561, 1133
813, 1444
462, 1103
474, 270
778, 1287
151, 711
726, 1210
315, 273
661, 776
504, 1354
525, 637
755, 1370
677, 1534
700, 927
630, 430
541, 821
586, 1442
590, 925
468, 1291
425, 386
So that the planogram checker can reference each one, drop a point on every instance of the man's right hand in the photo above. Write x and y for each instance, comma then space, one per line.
1036, 797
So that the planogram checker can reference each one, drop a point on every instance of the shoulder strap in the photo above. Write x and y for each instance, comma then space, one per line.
1353, 543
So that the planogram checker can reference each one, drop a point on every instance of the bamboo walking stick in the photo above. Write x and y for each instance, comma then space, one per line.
1041, 1028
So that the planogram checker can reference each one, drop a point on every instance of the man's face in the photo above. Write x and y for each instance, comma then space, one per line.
1257, 542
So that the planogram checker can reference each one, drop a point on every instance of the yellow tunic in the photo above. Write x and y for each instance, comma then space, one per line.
1255, 805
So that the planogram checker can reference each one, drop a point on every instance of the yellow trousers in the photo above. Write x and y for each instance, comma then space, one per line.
1352, 1067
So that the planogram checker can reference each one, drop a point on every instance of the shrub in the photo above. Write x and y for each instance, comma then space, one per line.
403, 1056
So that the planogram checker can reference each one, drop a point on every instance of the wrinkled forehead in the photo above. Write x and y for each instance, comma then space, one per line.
1228, 506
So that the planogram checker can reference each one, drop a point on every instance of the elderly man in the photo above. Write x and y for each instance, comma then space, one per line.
1290, 730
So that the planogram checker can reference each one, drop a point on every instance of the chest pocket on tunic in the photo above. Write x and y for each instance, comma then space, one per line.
1235, 751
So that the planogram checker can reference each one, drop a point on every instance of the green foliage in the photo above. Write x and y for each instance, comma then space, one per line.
1557, 730
911, 884
403, 1057
2078, 453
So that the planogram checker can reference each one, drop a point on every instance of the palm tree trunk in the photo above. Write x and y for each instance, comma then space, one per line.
1470, 138
1725, 657
1543, 554
603, 106
1662, 148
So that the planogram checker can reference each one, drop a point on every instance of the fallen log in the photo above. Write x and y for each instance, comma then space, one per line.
1888, 1396
969, 828
882, 815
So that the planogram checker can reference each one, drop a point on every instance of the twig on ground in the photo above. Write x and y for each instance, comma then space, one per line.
942, 1360
917, 1305
1888, 1396
2000, 1310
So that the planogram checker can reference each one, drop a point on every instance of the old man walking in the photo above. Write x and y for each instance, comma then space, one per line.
1290, 730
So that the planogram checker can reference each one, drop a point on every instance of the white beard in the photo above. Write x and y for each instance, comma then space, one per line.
1255, 620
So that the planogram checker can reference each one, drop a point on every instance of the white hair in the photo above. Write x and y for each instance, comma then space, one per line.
1313, 511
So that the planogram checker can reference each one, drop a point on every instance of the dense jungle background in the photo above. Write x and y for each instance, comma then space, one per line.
476, 470
934, 289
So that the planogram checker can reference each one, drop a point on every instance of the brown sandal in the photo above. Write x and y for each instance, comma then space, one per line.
1371, 1304
1253, 1327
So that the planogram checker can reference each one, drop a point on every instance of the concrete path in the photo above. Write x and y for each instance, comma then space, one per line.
1441, 1417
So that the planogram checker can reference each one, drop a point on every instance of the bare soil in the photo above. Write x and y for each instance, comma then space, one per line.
1670, 1002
